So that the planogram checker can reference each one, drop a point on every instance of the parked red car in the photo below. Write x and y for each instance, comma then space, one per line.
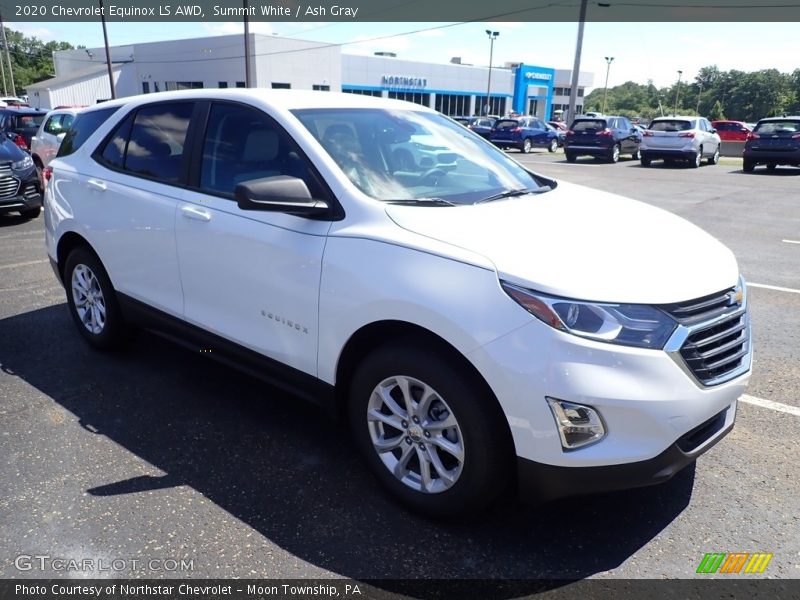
732, 131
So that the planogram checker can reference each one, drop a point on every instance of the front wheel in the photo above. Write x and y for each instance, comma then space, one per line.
695, 161
553, 145
429, 434
636, 155
92, 301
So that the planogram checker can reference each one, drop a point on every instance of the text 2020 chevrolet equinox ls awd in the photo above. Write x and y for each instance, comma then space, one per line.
480, 325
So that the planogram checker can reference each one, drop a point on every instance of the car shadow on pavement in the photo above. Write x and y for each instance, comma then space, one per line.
289, 472
11, 220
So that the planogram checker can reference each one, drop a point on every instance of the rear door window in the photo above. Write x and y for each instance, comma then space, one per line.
84, 125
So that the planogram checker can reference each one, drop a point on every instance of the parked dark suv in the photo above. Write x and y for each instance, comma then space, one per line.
774, 141
21, 124
602, 137
523, 134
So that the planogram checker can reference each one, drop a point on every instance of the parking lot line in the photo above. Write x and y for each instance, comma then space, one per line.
791, 241
784, 408
772, 287
22, 264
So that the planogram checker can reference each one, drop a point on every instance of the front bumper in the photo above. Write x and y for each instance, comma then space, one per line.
539, 483
20, 202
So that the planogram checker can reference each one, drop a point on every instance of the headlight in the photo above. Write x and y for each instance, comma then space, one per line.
21, 165
627, 324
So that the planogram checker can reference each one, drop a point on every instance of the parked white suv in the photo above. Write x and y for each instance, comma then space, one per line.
480, 326
689, 139
46, 142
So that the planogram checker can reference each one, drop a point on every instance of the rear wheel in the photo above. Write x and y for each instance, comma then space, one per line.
636, 155
695, 161
570, 157
646, 161
92, 300
748, 166
553, 145
526, 145
429, 434
771, 167
613, 155
714, 158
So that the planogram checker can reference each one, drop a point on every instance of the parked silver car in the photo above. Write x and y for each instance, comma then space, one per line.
689, 139
46, 142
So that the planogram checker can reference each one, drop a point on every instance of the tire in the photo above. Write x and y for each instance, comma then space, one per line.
553, 146
748, 166
31, 213
714, 158
646, 161
475, 469
570, 157
613, 155
697, 159
98, 317
771, 167
636, 155
526, 146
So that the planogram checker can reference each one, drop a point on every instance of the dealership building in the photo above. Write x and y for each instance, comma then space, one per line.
452, 88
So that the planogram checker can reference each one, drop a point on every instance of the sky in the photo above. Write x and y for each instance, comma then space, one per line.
641, 51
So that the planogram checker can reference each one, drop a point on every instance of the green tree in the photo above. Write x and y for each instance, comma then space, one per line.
31, 59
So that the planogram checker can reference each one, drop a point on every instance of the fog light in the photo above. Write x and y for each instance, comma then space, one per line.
578, 425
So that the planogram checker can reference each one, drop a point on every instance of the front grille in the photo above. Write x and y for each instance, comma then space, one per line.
5, 170
8, 186
717, 344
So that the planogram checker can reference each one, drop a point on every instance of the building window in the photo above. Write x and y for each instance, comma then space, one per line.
184, 85
452, 104
580, 92
156, 87
145, 87
415, 97
497, 105
321, 88
222, 85
240, 84
376, 93
281, 86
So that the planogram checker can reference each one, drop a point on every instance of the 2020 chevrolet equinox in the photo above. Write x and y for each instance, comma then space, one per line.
480, 326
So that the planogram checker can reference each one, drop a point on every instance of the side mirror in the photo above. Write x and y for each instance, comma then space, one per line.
713, 130
280, 193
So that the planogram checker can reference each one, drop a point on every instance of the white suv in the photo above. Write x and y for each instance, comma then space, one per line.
480, 326
46, 142
689, 139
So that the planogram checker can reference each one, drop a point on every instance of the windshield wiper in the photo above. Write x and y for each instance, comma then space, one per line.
512, 193
424, 202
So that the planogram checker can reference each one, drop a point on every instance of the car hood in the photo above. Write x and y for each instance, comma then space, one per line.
9, 151
583, 244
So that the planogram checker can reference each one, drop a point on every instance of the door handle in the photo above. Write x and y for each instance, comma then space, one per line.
192, 212
96, 184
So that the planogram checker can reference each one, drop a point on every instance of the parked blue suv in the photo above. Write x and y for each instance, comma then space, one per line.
602, 137
523, 134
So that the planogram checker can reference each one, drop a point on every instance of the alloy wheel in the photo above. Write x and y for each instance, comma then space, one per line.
415, 434
88, 297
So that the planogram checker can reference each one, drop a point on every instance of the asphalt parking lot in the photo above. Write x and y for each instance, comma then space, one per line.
160, 454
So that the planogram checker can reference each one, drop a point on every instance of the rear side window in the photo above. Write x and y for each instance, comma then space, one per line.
506, 124
29, 121
84, 125
54, 125
779, 127
589, 125
670, 125
155, 144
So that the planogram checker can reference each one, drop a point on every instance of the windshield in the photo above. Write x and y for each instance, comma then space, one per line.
405, 155
671, 125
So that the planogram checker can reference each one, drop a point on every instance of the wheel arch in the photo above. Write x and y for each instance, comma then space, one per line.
376, 334
66, 244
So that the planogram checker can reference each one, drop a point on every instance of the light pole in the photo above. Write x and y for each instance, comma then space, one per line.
699, 95
609, 60
492, 37
247, 75
108, 52
576, 66
677, 92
